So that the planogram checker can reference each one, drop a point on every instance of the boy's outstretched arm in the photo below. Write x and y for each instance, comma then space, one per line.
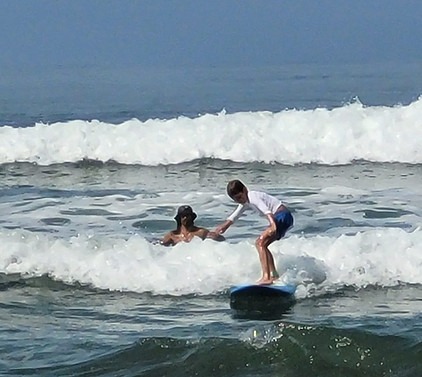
223, 227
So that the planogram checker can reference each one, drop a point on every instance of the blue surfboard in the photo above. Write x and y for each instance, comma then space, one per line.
271, 299
271, 290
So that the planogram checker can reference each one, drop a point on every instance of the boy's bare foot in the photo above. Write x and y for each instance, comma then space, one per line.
263, 281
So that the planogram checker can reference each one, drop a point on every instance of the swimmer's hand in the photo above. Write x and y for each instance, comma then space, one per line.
215, 236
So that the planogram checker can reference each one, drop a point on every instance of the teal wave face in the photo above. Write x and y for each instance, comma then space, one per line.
293, 350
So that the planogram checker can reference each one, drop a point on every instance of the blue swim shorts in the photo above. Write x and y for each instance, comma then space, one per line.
284, 221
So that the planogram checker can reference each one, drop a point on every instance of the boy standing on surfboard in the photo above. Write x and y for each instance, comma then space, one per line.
279, 217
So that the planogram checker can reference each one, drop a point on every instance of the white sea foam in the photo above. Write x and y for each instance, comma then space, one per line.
317, 264
338, 136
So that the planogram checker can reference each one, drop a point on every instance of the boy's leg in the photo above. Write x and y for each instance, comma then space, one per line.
273, 270
284, 221
265, 256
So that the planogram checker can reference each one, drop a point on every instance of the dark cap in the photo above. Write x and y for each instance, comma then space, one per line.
183, 211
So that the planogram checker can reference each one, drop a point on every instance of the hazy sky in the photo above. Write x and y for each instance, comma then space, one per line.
208, 32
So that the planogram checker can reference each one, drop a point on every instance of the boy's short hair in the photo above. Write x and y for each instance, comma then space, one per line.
234, 187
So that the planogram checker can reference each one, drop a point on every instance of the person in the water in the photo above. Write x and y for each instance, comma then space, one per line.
186, 229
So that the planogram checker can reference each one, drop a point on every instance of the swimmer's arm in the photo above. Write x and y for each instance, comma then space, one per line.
168, 240
215, 236
205, 233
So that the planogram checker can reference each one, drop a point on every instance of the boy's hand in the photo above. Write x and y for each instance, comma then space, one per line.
219, 230
223, 227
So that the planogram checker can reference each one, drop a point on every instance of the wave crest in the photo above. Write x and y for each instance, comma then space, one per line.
323, 136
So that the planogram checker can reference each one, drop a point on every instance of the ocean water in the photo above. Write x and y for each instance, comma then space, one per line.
94, 162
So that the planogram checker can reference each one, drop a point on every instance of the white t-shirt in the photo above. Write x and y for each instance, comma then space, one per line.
258, 201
